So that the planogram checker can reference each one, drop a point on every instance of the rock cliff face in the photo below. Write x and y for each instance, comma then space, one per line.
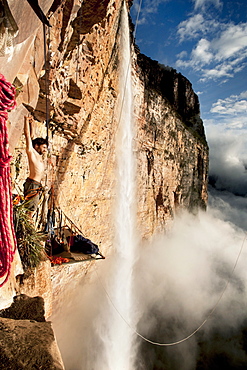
77, 88
171, 145
26, 339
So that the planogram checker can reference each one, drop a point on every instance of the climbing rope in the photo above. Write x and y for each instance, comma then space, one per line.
46, 63
137, 17
197, 329
7, 234
78, 45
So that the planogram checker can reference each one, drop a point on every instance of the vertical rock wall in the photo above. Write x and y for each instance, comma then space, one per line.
171, 146
81, 78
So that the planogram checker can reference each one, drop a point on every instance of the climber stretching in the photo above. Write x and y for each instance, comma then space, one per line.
34, 149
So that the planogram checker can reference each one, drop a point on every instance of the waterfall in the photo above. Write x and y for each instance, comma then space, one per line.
120, 336
102, 310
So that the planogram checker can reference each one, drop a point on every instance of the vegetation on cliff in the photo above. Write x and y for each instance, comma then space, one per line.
29, 242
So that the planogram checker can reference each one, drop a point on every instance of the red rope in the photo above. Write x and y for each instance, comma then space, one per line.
7, 234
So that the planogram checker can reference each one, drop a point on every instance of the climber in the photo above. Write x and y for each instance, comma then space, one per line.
34, 149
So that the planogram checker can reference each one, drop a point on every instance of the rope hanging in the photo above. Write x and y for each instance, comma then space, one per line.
7, 234
38, 11
137, 17
197, 329
78, 45
46, 64
40, 14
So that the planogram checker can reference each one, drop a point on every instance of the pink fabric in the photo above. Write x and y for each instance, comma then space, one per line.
7, 234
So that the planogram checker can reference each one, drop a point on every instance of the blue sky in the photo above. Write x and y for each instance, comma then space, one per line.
205, 40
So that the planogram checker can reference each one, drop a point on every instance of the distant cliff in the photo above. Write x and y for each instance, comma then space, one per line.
177, 89
172, 149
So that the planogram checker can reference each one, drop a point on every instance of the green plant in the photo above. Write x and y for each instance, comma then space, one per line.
30, 243
17, 165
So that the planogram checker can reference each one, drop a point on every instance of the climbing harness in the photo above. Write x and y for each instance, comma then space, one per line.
197, 329
7, 234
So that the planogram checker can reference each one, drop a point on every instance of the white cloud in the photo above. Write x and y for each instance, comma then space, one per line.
219, 71
231, 41
183, 54
151, 6
226, 69
235, 104
224, 53
147, 7
229, 115
202, 54
201, 4
183, 63
243, 94
228, 158
194, 26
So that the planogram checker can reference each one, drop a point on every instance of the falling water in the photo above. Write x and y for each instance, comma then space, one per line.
107, 305
120, 335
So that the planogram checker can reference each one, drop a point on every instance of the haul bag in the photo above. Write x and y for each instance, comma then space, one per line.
83, 245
